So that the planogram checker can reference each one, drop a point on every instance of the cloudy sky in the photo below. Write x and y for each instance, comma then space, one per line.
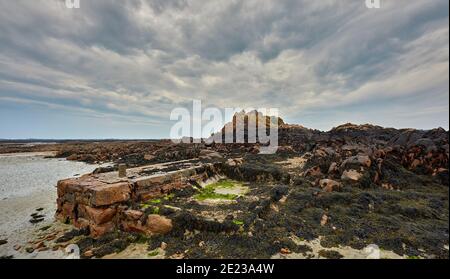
116, 69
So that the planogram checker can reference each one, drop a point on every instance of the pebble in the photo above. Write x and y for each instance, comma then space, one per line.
88, 253
29, 250
39, 245
285, 251
35, 221
178, 256
324, 220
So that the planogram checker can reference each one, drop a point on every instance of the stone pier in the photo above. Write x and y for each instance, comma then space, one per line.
107, 201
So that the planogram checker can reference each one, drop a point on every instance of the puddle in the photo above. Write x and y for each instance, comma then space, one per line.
222, 190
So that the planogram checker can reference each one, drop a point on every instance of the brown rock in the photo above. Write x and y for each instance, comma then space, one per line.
177, 256
333, 168
387, 186
81, 223
285, 251
416, 163
39, 245
68, 210
98, 230
330, 185
379, 153
362, 160
133, 214
314, 171
88, 253
72, 157
351, 175
96, 215
110, 193
376, 178
234, 162
274, 207
158, 224
209, 154
149, 157
133, 226
324, 220
89, 190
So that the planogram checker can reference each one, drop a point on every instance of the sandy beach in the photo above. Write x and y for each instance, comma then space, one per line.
27, 186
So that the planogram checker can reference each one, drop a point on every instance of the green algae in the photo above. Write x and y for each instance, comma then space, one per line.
210, 191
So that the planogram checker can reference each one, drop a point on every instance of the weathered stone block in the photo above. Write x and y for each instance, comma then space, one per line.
133, 214
98, 230
133, 226
108, 194
96, 215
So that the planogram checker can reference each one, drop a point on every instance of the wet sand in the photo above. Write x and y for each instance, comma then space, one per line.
27, 183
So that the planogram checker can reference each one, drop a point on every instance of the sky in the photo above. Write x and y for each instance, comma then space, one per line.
116, 69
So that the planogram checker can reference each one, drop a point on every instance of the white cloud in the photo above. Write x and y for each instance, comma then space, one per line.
140, 59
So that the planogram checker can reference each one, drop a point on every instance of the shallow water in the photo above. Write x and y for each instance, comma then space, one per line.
22, 174
28, 182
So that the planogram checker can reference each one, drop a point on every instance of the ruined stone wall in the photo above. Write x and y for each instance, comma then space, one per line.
104, 202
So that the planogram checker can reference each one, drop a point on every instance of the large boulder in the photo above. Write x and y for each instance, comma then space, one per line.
351, 175
207, 154
158, 224
99, 230
133, 214
358, 160
329, 185
96, 215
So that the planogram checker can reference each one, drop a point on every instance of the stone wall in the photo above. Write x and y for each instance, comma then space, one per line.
104, 202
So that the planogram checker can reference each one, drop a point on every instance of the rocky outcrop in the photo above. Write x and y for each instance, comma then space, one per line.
344, 184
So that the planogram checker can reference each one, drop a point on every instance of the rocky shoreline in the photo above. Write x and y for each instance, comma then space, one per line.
322, 195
